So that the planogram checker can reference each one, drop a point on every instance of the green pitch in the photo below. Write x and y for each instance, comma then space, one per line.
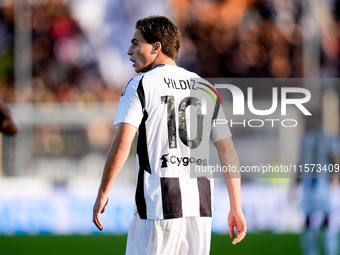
262, 243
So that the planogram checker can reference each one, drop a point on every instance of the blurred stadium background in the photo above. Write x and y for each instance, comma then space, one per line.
63, 65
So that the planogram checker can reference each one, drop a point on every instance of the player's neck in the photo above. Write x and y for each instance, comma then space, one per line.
162, 59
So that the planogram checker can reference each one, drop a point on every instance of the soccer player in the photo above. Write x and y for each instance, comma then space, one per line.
173, 211
318, 150
7, 125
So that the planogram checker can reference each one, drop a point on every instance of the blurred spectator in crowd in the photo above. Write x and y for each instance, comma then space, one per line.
243, 38
7, 125
318, 153
64, 67
257, 38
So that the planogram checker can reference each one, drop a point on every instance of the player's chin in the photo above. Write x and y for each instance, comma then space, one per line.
142, 68
137, 70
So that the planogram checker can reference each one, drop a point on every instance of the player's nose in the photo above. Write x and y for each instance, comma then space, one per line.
130, 52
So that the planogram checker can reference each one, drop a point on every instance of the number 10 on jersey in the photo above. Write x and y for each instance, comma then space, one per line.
182, 121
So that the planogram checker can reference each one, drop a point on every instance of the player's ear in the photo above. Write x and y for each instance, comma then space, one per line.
157, 47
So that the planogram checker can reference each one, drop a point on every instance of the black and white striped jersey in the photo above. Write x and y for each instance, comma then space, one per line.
173, 114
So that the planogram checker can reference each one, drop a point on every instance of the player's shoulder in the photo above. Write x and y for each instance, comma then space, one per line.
135, 80
132, 84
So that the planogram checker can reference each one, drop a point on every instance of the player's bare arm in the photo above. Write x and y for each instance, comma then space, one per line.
228, 156
117, 155
7, 125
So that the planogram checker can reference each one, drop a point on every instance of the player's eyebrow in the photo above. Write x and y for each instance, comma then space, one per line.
134, 40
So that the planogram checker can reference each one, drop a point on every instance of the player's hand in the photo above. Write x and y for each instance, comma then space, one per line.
98, 208
236, 219
7, 125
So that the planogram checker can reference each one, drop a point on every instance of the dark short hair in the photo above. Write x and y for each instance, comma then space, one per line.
161, 29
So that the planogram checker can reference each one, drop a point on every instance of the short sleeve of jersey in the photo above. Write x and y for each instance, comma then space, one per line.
220, 129
129, 109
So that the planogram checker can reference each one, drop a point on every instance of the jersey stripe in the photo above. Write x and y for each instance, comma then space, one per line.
204, 196
171, 198
142, 147
143, 157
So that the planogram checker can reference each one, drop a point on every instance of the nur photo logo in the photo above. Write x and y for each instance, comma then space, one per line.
280, 97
